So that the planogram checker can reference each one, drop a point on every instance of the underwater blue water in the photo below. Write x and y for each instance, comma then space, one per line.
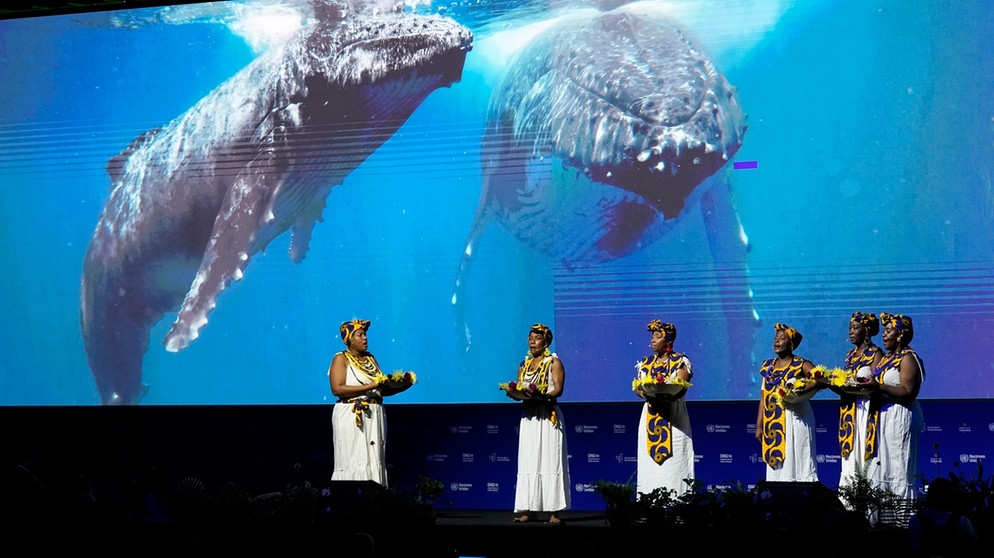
872, 126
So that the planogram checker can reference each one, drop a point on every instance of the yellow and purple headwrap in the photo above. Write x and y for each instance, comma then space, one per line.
544, 331
348, 329
869, 321
669, 330
900, 323
792, 334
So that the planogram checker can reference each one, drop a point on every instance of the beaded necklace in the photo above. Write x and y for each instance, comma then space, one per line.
539, 376
367, 366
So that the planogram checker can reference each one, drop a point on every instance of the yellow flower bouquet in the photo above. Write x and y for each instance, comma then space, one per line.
659, 386
398, 379
855, 382
790, 392
518, 390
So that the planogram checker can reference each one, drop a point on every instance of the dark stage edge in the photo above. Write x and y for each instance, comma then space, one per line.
454, 534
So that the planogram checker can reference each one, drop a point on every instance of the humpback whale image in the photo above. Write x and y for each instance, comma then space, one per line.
606, 128
192, 201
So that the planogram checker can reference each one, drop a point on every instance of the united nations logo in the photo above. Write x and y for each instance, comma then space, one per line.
964, 458
990, 426
710, 428
820, 458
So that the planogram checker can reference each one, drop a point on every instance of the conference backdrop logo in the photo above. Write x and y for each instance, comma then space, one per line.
622, 458
585, 428
460, 486
718, 428
620, 429
583, 487
971, 458
436, 457
493, 429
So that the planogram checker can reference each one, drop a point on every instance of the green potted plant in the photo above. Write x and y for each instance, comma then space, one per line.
619, 501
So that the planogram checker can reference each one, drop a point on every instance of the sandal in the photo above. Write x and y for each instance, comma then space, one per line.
525, 518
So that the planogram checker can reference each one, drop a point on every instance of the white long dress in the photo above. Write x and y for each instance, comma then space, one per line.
900, 432
799, 451
799, 463
360, 452
543, 483
855, 463
669, 474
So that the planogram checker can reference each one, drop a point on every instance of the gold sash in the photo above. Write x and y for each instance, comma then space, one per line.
360, 405
774, 429
774, 414
847, 410
659, 432
659, 435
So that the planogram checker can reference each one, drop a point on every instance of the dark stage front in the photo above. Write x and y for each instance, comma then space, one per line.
150, 472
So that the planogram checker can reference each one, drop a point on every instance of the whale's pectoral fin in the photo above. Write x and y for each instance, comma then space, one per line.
241, 216
300, 233
730, 247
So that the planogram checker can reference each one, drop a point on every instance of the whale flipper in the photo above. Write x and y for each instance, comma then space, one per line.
193, 201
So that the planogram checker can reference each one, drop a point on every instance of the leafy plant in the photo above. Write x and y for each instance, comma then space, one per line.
864, 497
428, 490
619, 500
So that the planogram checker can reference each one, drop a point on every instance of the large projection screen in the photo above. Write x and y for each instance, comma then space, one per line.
812, 159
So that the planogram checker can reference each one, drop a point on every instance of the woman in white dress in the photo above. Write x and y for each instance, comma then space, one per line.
665, 442
899, 374
859, 414
359, 425
543, 483
786, 430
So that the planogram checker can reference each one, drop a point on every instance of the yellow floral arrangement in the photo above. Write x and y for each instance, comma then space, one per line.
657, 380
519, 390
836, 376
398, 378
790, 390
